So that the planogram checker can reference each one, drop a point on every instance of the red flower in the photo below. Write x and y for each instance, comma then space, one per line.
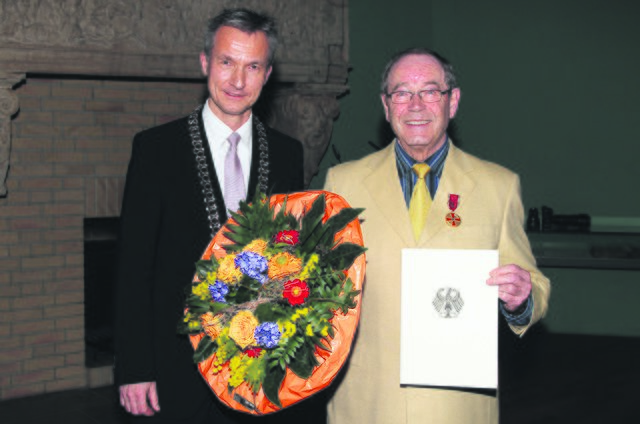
295, 292
288, 237
253, 352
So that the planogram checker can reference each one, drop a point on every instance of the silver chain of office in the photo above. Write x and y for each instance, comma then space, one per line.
210, 206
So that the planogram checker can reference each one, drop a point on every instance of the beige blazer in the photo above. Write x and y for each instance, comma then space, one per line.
492, 215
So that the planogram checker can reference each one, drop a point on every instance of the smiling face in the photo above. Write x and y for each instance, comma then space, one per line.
419, 127
237, 70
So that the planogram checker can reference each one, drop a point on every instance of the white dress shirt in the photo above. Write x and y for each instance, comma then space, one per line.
217, 133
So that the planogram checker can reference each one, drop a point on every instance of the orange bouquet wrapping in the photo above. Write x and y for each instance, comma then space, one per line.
275, 301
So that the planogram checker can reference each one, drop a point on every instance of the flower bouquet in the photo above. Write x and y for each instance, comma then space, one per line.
274, 304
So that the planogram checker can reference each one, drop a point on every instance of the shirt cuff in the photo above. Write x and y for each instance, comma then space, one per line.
517, 317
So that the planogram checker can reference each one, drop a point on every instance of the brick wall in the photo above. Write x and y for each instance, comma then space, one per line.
70, 149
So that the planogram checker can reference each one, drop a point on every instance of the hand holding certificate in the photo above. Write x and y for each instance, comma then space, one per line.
449, 319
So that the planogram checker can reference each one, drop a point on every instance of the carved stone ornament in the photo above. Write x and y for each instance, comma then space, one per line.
309, 114
8, 106
163, 38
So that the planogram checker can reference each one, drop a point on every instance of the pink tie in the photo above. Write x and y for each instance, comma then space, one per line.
234, 190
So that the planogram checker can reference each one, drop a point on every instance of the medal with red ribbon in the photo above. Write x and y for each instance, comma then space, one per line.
452, 218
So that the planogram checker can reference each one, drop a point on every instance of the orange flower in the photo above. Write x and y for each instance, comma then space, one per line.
257, 246
227, 271
211, 324
283, 265
242, 327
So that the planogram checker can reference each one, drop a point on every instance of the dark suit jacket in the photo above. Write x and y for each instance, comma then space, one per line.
164, 231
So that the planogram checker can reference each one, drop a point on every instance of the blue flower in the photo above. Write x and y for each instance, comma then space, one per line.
252, 265
218, 291
267, 334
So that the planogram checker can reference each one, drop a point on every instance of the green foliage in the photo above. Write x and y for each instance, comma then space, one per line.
206, 348
257, 220
282, 355
241, 295
343, 255
256, 372
271, 385
337, 296
338, 222
205, 266
271, 312
217, 307
304, 361
315, 235
311, 225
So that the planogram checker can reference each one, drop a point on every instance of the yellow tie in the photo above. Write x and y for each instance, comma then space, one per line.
420, 200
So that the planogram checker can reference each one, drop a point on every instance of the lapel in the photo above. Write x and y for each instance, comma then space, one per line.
255, 161
384, 188
455, 180
215, 182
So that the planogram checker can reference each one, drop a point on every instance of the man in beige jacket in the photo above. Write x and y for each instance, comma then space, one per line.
474, 205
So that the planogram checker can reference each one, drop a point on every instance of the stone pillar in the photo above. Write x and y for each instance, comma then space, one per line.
307, 113
8, 106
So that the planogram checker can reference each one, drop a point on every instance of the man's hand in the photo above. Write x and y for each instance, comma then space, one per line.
514, 285
140, 398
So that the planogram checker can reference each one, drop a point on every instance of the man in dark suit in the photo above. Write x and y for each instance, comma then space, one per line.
183, 178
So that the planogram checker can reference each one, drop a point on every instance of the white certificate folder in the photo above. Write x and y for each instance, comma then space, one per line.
449, 319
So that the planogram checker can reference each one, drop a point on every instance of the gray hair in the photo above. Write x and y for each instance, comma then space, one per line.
449, 75
246, 21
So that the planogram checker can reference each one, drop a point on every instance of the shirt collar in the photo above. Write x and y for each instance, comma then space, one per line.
435, 161
218, 132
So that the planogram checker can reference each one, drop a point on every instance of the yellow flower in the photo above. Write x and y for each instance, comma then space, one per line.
227, 271
238, 370
299, 313
309, 266
283, 265
241, 328
309, 330
202, 290
256, 246
325, 331
211, 277
211, 324
222, 353
287, 328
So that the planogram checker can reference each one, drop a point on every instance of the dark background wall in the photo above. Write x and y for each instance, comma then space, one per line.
549, 89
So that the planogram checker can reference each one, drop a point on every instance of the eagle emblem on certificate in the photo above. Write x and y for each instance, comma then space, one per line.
448, 303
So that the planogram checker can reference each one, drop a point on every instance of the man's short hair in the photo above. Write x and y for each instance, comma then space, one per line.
246, 21
449, 74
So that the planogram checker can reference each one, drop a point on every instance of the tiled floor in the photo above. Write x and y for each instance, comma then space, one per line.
544, 379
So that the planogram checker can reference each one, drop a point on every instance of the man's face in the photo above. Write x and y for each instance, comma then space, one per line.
237, 70
420, 127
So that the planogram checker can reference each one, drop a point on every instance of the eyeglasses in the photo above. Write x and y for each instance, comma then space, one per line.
427, 96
